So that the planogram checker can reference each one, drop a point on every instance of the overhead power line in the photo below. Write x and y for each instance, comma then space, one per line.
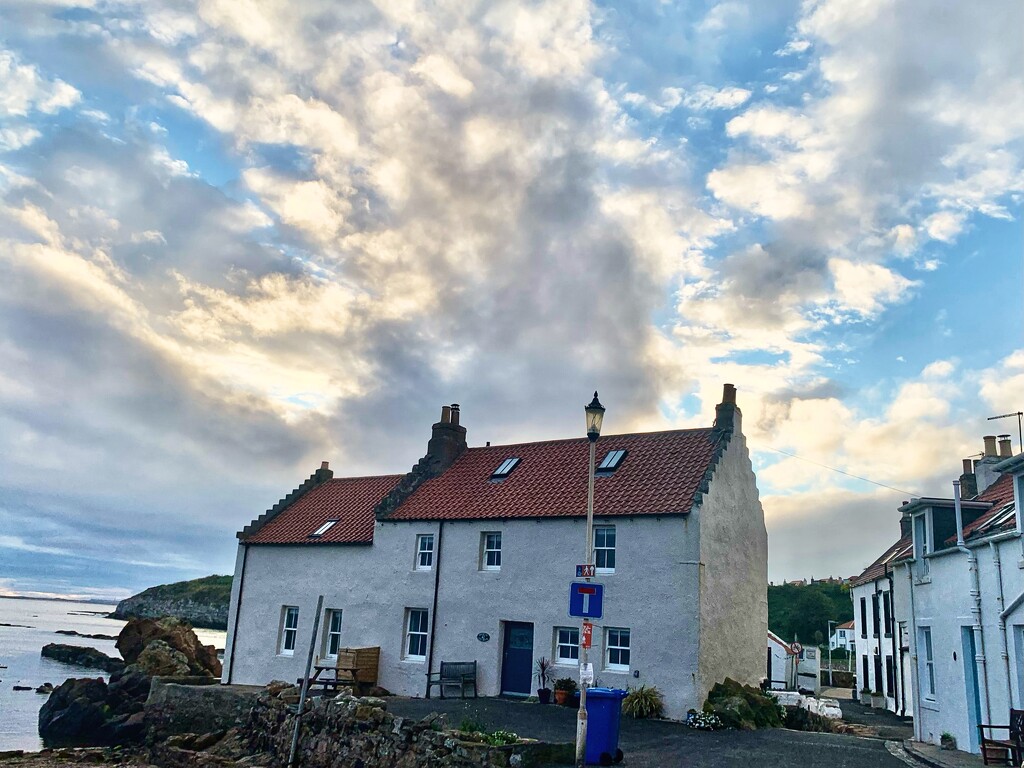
842, 472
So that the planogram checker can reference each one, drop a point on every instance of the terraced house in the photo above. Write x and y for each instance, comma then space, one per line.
469, 556
940, 614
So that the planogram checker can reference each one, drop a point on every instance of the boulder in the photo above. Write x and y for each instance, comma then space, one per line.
158, 658
75, 713
81, 656
139, 633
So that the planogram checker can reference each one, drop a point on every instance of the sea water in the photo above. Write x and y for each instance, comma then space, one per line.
36, 624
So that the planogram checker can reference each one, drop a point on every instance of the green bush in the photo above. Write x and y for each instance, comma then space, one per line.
645, 701
743, 706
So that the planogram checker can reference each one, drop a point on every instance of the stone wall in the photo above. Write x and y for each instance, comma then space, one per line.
361, 733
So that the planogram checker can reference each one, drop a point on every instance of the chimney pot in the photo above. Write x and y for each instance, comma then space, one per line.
1005, 447
729, 394
455, 414
325, 465
446, 414
968, 466
990, 445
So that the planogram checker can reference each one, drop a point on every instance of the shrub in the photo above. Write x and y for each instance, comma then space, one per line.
469, 725
566, 684
543, 672
743, 706
645, 701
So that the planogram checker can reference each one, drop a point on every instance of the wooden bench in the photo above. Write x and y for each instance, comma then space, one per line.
1009, 751
460, 673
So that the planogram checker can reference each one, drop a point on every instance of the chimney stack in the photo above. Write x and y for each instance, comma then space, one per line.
968, 481
990, 445
728, 417
984, 468
447, 440
1005, 447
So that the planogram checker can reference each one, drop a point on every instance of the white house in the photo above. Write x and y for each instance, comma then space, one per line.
956, 590
843, 637
470, 555
781, 664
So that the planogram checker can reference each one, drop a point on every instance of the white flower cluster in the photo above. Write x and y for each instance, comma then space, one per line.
704, 721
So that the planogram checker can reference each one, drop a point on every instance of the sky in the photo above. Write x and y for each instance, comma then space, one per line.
238, 238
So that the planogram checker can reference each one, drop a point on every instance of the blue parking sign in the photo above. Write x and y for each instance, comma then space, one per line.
586, 599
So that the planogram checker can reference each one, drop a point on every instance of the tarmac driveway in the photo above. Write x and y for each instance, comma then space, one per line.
662, 744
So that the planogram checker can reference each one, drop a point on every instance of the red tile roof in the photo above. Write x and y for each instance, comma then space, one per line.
901, 550
846, 625
1000, 493
662, 473
349, 500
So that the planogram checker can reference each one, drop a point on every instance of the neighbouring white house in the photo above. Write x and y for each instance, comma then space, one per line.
950, 621
843, 637
781, 664
470, 555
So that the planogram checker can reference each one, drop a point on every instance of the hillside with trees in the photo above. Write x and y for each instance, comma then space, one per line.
804, 611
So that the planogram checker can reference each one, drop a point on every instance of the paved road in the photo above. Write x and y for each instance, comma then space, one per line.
659, 744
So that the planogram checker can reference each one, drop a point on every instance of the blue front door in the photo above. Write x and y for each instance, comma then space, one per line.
517, 659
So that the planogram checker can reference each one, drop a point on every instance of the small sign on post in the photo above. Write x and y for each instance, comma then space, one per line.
586, 674
588, 634
586, 571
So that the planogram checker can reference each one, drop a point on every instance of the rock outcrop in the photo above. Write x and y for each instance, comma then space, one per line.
174, 635
91, 712
200, 602
81, 656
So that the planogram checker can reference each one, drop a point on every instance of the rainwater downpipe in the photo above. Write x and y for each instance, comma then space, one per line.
972, 567
433, 607
1003, 640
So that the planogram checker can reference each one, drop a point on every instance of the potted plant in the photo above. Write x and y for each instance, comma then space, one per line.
947, 740
543, 675
565, 687
878, 700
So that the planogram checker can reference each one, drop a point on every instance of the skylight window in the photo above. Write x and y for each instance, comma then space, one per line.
323, 528
505, 468
611, 461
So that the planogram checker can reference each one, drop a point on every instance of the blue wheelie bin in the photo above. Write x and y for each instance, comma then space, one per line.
604, 713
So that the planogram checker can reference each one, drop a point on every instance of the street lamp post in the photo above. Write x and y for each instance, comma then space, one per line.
595, 417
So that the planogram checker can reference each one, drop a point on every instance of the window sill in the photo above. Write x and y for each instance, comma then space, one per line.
623, 670
604, 571
286, 654
922, 580
930, 704
422, 570
414, 659
569, 663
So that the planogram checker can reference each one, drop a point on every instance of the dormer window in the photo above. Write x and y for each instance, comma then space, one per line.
322, 529
611, 461
505, 468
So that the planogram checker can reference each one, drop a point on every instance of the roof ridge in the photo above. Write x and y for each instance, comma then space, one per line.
386, 476
584, 438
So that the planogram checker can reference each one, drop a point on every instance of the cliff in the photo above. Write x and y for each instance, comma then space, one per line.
200, 602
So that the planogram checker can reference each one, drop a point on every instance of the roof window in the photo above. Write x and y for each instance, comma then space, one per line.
505, 468
612, 460
323, 529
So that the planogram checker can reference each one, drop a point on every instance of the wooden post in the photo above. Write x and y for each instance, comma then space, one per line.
305, 681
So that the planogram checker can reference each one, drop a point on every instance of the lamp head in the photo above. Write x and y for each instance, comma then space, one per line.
595, 417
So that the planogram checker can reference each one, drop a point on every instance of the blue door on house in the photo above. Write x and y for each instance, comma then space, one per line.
971, 681
517, 659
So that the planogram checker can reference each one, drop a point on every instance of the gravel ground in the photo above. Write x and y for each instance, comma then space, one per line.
661, 744
884, 722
